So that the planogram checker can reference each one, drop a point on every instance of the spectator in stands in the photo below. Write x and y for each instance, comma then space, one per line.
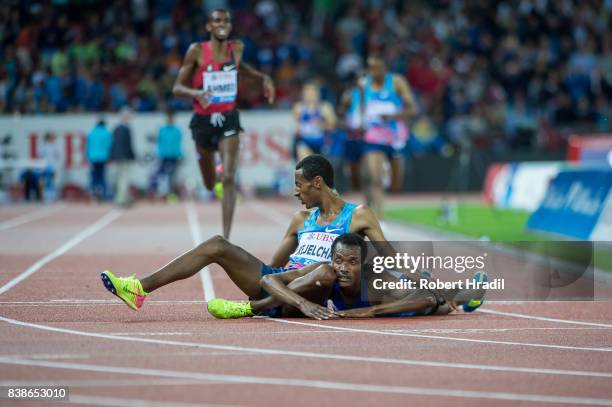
51, 155
99, 142
169, 153
122, 154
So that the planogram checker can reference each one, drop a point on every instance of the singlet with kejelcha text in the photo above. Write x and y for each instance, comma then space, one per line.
314, 240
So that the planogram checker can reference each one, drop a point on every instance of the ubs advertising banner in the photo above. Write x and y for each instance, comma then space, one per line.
574, 203
265, 151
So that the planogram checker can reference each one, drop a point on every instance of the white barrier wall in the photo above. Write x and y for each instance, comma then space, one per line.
265, 152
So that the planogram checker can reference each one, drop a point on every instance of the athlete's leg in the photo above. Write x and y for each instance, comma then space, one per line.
206, 161
228, 148
243, 268
397, 173
317, 292
374, 164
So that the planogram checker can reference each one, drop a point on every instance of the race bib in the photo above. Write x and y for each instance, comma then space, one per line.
316, 246
222, 85
375, 109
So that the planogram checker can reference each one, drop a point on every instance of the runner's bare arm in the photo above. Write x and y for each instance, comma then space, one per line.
405, 304
329, 116
248, 70
313, 276
403, 89
296, 111
289, 241
364, 221
182, 87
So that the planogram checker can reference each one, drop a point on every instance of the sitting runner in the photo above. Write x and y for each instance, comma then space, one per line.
344, 288
307, 240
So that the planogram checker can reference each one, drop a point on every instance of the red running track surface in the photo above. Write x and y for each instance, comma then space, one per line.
59, 326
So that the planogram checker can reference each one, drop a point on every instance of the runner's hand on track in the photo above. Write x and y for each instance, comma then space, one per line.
316, 311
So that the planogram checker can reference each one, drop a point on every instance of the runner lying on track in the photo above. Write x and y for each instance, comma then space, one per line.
344, 289
308, 240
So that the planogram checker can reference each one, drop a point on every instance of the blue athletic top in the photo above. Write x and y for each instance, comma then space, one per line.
315, 241
310, 124
381, 101
355, 113
361, 301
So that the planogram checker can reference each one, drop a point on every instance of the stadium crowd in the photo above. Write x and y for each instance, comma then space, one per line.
496, 72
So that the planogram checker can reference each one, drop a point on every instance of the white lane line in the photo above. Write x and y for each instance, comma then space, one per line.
269, 215
78, 238
151, 333
196, 237
561, 321
121, 402
447, 338
29, 217
103, 383
316, 384
313, 355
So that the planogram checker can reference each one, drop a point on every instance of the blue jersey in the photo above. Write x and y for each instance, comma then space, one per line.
314, 241
355, 112
360, 302
310, 124
380, 102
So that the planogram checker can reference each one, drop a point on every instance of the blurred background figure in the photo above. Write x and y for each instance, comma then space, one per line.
351, 109
50, 153
314, 118
122, 155
99, 141
169, 153
388, 104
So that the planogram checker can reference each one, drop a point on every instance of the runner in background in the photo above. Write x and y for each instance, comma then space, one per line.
314, 118
352, 111
388, 103
209, 75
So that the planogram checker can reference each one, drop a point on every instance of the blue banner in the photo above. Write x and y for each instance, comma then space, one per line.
573, 203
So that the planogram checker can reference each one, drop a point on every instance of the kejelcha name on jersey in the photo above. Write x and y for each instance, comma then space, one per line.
435, 284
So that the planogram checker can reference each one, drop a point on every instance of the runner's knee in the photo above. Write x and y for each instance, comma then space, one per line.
228, 179
216, 246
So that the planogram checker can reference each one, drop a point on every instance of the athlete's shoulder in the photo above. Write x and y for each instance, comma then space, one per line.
195, 48
297, 221
363, 219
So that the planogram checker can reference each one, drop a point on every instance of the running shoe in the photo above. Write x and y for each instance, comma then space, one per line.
219, 190
475, 303
225, 309
128, 289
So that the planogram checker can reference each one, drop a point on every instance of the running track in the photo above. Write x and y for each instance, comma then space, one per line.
59, 326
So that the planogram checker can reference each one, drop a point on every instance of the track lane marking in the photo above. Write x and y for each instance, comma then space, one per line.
561, 321
329, 356
317, 384
29, 217
75, 240
449, 338
196, 237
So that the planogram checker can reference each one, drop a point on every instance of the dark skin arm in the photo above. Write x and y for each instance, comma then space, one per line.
364, 221
289, 242
283, 287
247, 70
403, 89
182, 86
390, 305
